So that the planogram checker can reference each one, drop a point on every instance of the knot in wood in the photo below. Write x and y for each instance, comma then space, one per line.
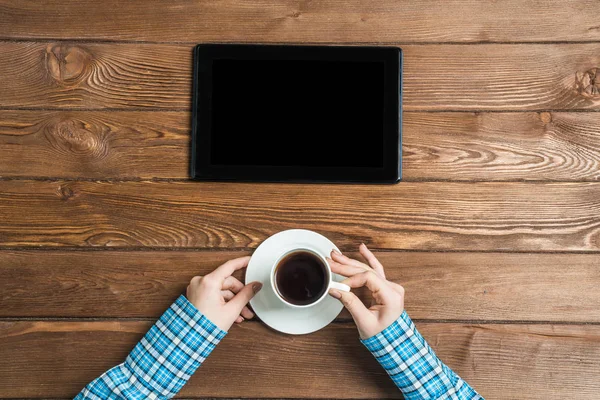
67, 64
65, 192
546, 117
588, 83
73, 136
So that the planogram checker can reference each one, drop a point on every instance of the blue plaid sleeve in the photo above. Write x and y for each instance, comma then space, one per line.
163, 361
413, 366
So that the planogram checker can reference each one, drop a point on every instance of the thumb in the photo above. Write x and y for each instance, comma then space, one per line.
244, 296
357, 309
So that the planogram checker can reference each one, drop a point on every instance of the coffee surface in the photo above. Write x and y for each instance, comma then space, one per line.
301, 278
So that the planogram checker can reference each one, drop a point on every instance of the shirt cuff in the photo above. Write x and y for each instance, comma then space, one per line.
399, 330
169, 354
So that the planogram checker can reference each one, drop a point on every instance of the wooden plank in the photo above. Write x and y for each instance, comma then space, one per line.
553, 146
501, 77
452, 146
439, 286
56, 359
412, 216
281, 20
94, 144
437, 77
87, 75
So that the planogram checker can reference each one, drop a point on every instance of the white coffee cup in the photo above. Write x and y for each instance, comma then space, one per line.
331, 284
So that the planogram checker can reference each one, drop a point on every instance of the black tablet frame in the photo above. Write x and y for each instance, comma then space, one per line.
201, 167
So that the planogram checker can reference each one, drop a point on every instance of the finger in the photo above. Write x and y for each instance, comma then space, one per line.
376, 284
344, 269
342, 259
239, 319
348, 270
233, 284
230, 267
227, 294
246, 313
357, 309
371, 259
243, 297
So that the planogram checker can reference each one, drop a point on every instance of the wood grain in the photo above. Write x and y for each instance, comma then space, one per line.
501, 77
546, 146
412, 216
553, 146
500, 361
70, 75
439, 286
436, 77
305, 21
499, 91
94, 144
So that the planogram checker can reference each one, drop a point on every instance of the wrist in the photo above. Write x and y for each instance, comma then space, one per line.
199, 317
397, 326
384, 322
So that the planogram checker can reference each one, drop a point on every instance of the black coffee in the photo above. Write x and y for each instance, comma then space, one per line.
301, 278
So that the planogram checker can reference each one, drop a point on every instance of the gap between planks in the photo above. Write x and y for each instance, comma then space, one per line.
9, 39
250, 249
413, 110
179, 180
340, 321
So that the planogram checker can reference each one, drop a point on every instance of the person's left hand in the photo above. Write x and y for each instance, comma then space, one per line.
221, 297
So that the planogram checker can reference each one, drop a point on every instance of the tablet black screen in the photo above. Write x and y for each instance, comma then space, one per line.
312, 113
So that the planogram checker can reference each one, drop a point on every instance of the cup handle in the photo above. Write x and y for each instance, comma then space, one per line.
339, 286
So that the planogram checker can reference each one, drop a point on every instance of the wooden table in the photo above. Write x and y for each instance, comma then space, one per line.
494, 232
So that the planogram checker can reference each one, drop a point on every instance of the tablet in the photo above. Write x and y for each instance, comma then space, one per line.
297, 113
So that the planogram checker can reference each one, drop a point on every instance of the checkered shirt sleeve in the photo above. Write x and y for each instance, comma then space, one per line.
163, 361
413, 366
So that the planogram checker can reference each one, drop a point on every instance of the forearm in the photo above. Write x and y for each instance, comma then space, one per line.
413, 365
163, 361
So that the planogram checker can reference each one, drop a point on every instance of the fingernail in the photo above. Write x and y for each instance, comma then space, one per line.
362, 244
256, 287
335, 294
336, 251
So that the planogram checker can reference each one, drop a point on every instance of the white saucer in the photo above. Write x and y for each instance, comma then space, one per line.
267, 306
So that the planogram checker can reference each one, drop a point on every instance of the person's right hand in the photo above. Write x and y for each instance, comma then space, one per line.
388, 296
